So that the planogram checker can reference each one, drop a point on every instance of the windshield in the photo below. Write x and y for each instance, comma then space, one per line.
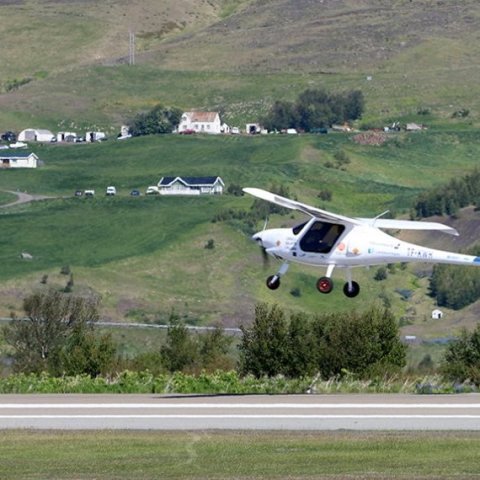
296, 230
321, 237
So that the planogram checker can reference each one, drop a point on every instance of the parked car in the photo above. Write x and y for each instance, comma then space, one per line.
111, 191
9, 137
89, 193
153, 190
135, 193
78, 193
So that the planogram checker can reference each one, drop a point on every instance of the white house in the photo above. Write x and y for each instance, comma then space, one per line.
18, 160
190, 185
202, 122
35, 135
437, 314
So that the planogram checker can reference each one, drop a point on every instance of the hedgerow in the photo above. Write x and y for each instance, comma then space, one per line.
221, 382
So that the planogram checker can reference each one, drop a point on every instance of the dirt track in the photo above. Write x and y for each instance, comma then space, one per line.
23, 197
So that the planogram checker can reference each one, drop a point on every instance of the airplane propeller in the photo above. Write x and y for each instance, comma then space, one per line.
263, 249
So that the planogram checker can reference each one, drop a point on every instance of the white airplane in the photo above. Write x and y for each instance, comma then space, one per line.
331, 240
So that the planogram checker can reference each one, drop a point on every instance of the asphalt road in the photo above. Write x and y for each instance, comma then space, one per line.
249, 412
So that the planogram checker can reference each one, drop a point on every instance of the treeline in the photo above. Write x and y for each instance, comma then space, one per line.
58, 336
455, 286
160, 119
315, 109
449, 198
452, 286
365, 344
58, 339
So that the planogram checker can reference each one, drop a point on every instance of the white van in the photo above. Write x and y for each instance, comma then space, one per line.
111, 191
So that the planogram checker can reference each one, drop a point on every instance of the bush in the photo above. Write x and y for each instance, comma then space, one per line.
461, 362
363, 344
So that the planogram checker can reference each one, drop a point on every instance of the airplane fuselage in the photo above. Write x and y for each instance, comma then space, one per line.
355, 246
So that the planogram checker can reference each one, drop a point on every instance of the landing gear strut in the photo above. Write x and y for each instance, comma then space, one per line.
351, 289
273, 281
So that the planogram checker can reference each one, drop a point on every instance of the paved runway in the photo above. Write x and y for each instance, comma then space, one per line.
249, 412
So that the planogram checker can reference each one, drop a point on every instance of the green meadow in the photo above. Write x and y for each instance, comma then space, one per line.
146, 256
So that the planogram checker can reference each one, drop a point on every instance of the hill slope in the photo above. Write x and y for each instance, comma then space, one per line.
66, 60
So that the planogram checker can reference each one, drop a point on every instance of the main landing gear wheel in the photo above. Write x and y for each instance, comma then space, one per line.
324, 285
273, 282
351, 290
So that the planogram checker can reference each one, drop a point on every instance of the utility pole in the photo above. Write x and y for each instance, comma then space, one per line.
131, 48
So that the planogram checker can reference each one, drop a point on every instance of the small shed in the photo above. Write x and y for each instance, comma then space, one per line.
437, 314
253, 128
18, 160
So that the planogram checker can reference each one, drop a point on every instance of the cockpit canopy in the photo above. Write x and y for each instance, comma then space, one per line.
320, 236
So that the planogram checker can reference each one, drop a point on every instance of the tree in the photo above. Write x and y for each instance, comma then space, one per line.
263, 349
302, 352
158, 120
180, 351
462, 358
365, 344
213, 350
354, 105
282, 115
315, 108
52, 320
455, 286
86, 352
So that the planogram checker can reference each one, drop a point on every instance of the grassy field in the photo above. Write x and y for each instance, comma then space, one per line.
117, 455
146, 256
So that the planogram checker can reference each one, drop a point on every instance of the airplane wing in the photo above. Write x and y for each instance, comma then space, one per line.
301, 207
385, 223
389, 223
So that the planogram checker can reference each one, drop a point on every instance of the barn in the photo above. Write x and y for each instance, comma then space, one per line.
35, 135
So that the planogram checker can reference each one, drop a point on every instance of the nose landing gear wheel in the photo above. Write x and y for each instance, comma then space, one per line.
273, 282
351, 291
324, 285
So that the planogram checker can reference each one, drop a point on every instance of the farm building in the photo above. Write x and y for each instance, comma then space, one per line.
190, 185
95, 136
202, 122
66, 137
35, 135
18, 160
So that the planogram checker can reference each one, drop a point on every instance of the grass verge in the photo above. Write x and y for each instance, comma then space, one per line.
264, 455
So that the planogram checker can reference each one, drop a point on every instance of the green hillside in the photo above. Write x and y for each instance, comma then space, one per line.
146, 256
68, 69
68, 64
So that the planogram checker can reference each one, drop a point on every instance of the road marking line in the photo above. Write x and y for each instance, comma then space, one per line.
53, 417
240, 405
